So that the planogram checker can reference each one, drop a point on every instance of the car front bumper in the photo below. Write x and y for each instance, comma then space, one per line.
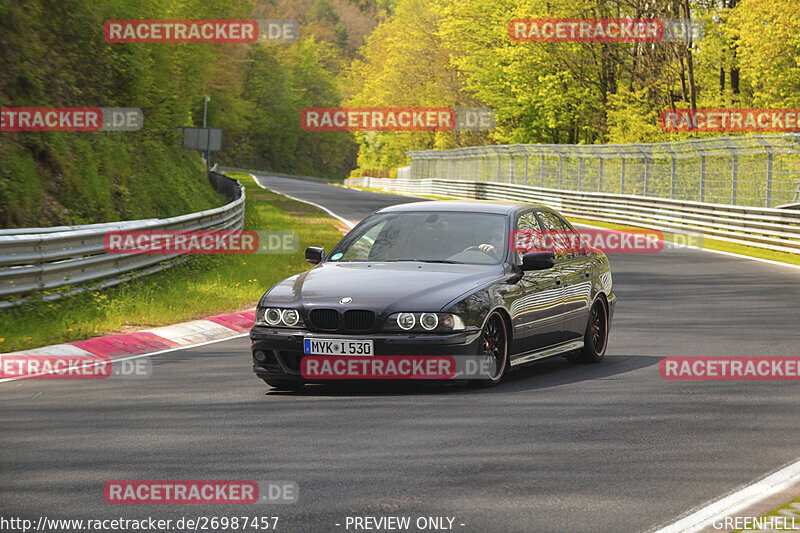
283, 348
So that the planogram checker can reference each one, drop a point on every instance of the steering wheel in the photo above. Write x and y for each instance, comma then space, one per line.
492, 253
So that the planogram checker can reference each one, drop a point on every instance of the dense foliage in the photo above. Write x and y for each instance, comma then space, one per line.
353, 53
458, 52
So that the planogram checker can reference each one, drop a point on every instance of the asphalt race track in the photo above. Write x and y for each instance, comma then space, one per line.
557, 447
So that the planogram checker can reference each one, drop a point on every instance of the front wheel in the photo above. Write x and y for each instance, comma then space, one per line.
596, 338
494, 350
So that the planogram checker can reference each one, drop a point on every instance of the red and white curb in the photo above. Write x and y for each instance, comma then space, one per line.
151, 341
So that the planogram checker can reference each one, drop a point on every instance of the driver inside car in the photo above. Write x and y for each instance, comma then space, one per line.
494, 241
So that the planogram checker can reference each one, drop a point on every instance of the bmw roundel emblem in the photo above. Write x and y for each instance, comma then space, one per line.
345, 300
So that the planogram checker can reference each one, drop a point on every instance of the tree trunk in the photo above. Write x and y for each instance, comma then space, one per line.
734, 73
689, 59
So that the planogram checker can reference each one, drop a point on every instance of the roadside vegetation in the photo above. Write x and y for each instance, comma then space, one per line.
458, 53
201, 286
352, 53
53, 54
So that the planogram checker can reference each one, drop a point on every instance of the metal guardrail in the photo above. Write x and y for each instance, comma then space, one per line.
761, 227
34, 259
756, 170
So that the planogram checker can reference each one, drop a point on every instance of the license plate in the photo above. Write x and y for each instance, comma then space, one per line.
314, 346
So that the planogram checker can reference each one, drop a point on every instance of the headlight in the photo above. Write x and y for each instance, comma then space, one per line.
290, 317
429, 321
278, 318
272, 316
424, 322
406, 321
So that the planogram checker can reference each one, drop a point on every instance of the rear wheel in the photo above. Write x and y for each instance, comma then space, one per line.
493, 349
596, 338
284, 384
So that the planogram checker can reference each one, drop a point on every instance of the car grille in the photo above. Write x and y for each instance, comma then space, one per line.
325, 319
357, 320
352, 320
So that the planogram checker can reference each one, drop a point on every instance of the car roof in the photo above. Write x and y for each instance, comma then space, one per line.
499, 207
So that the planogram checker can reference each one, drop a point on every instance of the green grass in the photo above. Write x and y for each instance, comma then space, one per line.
102, 177
201, 286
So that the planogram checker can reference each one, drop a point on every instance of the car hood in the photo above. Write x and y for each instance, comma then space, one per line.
382, 287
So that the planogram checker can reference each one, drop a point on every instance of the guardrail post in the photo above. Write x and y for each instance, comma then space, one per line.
770, 158
599, 155
702, 153
526, 168
734, 169
541, 172
671, 172
646, 170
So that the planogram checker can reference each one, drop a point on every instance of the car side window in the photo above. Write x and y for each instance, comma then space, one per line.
556, 234
526, 229
577, 247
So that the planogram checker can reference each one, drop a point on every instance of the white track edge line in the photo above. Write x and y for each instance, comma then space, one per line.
746, 496
331, 213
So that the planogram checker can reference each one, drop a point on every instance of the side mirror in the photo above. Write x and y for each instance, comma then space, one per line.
314, 254
538, 261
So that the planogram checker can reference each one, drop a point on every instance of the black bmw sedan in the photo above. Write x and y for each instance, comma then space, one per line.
439, 278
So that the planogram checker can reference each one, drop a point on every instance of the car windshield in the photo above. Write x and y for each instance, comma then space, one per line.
472, 238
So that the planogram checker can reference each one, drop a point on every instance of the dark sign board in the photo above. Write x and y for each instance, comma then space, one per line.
203, 139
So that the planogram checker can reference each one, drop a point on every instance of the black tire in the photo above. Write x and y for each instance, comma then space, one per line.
284, 384
494, 345
595, 341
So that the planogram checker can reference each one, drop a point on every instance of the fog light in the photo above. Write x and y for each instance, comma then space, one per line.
260, 356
